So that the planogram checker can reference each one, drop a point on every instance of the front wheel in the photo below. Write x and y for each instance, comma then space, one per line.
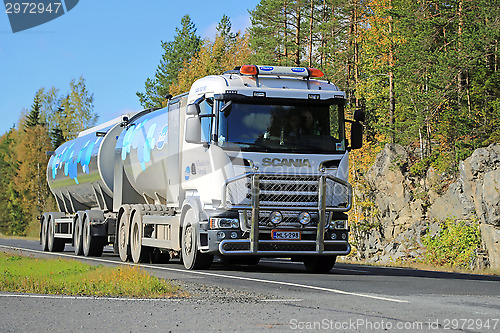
319, 264
191, 257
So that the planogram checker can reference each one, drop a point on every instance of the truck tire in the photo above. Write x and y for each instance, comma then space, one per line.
78, 235
43, 234
319, 264
139, 252
53, 244
191, 257
92, 245
122, 234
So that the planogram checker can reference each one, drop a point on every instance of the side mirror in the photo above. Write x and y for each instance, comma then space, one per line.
356, 135
193, 129
359, 115
193, 109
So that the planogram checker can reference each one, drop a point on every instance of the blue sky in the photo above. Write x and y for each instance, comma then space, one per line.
114, 44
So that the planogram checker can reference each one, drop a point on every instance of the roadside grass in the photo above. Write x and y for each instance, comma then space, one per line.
70, 277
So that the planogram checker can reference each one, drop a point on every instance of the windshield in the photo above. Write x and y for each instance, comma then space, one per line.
294, 128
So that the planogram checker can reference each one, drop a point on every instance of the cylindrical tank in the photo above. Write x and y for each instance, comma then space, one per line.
83, 167
142, 148
81, 172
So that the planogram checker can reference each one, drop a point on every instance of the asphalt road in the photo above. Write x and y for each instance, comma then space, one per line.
276, 295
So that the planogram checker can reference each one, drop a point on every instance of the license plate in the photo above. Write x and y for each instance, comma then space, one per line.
285, 234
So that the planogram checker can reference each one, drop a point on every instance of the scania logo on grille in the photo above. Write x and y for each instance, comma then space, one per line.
289, 162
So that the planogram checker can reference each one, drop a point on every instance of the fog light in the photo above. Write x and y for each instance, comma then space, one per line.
304, 218
234, 234
221, 235
344, 236
276, 218
333, 236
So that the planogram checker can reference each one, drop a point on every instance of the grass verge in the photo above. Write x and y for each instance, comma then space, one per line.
70, 277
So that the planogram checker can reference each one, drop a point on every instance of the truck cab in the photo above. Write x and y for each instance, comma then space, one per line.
265, 154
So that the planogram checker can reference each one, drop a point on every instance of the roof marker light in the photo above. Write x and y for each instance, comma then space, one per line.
249, 70
314, 72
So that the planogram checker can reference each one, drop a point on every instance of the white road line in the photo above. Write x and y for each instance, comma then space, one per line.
88, 297
281, 300
218, 275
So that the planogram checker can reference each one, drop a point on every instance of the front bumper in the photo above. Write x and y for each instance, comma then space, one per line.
283, 247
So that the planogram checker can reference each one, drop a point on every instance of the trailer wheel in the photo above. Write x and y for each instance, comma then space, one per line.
92, 245
191, 257
140, 253
44, 234
78, 236
123, 247
53, 244
319, 264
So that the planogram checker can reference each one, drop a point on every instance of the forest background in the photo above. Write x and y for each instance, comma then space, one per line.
425, 72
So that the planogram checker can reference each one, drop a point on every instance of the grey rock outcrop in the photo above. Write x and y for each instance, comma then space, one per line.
409, 207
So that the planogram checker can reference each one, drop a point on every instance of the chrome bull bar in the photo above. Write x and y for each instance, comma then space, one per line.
255, 246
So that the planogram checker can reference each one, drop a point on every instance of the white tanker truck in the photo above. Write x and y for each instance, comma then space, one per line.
249, 164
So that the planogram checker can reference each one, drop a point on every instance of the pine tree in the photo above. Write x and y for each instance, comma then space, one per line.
34, 117
178, 54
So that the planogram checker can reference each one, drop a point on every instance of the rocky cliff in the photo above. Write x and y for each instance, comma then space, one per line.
406, 208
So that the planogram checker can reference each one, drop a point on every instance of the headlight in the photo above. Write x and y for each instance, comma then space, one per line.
224, 223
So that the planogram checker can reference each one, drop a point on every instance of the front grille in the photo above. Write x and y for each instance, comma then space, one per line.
287, 191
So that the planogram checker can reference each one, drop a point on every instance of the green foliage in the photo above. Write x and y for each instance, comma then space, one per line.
178, 54
69, 277
454, 245
34, 117
52, 119
227, 51
74, 113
